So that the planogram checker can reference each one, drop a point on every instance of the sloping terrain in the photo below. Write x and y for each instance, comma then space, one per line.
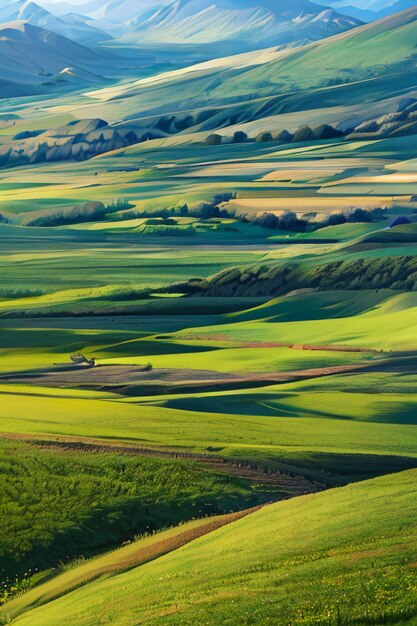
337, 557
208, 305
76, 140
133, 555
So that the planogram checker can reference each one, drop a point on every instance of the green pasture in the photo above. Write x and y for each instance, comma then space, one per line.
340, 557
232, 359
310, 400
160, 173
84, 570
389, 325
239, 432
116, 290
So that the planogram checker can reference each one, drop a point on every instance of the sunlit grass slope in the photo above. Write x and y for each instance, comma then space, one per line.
231, 433
146, 548
390, 325
346, 556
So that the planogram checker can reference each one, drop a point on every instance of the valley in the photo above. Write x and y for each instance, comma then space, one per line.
208, 298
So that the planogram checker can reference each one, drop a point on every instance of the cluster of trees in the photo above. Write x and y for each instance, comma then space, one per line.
401, 220
11, 293
286, 221
290, 221
303, 134
356, 216
218, 207
206, 209
63, 216
397, 273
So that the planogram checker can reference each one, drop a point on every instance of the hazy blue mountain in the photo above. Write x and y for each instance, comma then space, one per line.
115, 11
70, 26
34, 57
370, 10
252, 23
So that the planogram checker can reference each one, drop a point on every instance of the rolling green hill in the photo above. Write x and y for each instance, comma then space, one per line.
344, 557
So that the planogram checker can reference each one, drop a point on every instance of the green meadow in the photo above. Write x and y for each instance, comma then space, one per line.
208, 413
312, 560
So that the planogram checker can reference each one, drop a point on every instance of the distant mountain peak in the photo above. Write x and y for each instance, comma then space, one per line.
33, 14
247, 23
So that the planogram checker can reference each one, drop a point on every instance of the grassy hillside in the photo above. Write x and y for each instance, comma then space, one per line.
386, 326
371, 51
339, 80
135, 553
332, 558
86, 503
247, 431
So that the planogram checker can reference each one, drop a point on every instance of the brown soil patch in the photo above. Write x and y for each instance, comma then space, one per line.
122, 378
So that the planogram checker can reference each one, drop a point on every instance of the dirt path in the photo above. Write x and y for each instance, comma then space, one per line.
285, 485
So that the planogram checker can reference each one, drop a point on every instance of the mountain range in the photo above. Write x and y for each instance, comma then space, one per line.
61, 44
34, 58
252, 23
370, 10
343, 80
327, 50
247, 23
71, 26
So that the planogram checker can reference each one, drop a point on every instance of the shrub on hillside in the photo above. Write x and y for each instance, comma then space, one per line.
211, 208
267, 220
289, 221
358, 215
28, 134
240, 137
283, 136
325, 131
213, 140
302, 134
336, 219
264, 137
89, 212
400, 221
397, 273
160, 221
119, 204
